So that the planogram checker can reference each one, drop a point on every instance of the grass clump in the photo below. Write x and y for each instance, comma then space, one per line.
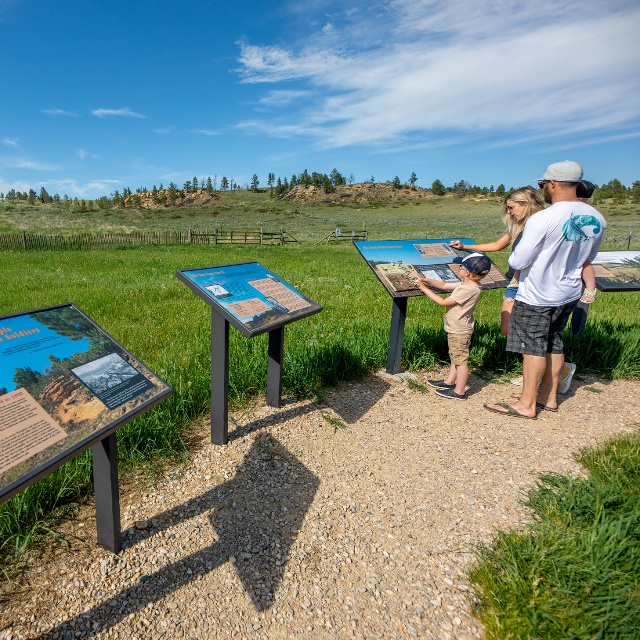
575, 571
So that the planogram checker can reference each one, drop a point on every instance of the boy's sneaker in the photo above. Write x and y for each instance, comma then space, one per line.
566, 377
451, 394
440, 384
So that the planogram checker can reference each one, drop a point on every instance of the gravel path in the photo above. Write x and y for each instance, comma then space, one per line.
354, 518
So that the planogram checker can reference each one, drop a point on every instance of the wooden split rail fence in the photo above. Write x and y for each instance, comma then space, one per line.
351, 236
88, 241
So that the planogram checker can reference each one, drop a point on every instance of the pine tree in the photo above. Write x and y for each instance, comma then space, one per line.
437, 188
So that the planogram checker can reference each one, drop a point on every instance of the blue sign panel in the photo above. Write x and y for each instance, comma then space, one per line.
251, 297
393, 261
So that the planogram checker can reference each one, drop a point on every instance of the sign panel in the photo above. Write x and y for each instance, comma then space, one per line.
393, 261
249, 296
64, 385
617, 270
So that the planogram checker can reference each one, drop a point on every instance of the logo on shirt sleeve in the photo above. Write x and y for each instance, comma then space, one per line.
581, 228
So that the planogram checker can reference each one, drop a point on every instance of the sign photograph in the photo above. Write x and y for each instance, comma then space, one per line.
617, 270
63, 383
393, 261
251, 297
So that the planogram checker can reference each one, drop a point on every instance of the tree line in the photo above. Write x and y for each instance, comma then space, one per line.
168, 196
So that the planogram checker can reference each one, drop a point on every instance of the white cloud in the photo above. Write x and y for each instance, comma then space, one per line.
207, 132
74, 188
484, 69
82, 154
125, 111
279, 98
25, 163
10, 142
59, 112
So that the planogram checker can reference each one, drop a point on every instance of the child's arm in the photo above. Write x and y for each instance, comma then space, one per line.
436, 284
498, 245
589, 278
443, 302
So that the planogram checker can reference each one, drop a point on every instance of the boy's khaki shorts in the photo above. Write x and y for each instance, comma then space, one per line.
459, 347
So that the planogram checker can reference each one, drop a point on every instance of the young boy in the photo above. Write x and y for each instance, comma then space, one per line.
458, 320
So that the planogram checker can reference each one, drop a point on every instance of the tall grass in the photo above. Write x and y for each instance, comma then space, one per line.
575, 571
136, 297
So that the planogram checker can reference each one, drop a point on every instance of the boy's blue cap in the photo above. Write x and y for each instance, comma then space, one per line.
476, 262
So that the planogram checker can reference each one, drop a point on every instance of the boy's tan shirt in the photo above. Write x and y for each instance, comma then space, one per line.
459, 318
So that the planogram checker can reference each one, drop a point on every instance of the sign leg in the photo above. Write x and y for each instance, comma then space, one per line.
274, 367
396, 335
105, 480
219, 379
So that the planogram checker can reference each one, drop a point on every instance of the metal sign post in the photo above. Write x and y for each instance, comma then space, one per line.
396, 335
219, 379
107, 496
274, 367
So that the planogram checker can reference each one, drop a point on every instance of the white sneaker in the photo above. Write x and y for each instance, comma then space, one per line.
566, 377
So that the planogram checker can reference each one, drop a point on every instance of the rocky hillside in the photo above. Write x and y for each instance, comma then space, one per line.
359, 193
162, 199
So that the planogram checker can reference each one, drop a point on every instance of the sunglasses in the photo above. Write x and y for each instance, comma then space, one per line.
541, 183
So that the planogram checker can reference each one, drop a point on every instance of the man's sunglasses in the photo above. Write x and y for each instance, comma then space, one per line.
541, 183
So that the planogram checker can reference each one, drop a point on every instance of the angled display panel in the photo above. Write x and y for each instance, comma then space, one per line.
65, 384
617, 270
393, 260
250, 297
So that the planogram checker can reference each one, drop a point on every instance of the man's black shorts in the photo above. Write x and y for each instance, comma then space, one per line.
536, 331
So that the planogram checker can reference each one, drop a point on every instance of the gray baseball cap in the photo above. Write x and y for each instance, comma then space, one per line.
565, 171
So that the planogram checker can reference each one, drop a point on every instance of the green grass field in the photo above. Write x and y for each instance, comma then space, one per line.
134, 295
574, 572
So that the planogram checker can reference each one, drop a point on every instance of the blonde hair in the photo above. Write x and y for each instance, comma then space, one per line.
533, 203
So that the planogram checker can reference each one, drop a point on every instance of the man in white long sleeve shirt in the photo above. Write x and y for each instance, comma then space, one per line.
555, 245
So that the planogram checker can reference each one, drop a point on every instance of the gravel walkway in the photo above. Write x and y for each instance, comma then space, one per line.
355, 518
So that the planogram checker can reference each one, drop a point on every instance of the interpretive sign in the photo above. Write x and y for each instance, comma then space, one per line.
393, 261
249, 296
253, 300
65, 385
617, 270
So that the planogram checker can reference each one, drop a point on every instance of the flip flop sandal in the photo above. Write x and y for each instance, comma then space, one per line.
509, 411
543, 407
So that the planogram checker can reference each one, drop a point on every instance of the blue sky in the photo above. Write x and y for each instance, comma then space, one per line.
97, 96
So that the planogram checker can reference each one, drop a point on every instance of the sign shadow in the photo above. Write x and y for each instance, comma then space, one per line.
245, 429
353, 400
256, 516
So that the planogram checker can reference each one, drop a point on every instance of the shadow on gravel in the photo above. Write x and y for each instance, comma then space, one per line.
354, 400
242, 430
256, 516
